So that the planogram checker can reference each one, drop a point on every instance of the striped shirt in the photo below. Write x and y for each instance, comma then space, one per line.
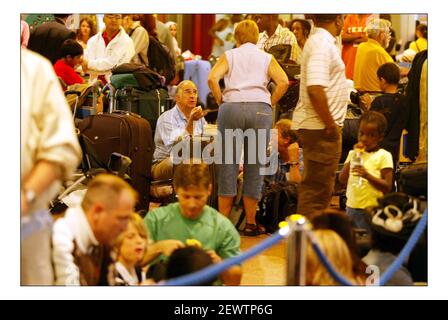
280, 36
321, 66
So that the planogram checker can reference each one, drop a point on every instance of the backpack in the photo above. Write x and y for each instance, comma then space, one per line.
279, 201
135, 76
413, 180
160, 59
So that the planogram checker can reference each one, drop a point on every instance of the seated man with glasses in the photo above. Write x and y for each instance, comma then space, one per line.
107, 49
191, 222
186, 118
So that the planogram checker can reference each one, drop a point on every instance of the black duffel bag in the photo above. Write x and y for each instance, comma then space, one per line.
143, 77
413, 180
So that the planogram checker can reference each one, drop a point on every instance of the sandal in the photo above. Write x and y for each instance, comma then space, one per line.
252, 230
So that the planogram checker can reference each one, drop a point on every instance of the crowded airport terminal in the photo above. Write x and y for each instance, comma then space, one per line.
223, 149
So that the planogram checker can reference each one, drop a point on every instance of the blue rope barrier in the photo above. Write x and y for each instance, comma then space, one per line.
214, 270
327, 264
407, 249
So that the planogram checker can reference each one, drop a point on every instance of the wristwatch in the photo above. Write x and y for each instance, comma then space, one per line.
30, 196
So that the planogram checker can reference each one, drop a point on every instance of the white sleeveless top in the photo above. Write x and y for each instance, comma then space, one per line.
247, 78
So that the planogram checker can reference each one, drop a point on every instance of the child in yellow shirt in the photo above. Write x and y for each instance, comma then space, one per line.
375, 173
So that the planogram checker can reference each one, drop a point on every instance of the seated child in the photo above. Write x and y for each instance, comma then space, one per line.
289, 154
188, 260
71, 56
392, 105
371, 180
191, 218
130, 248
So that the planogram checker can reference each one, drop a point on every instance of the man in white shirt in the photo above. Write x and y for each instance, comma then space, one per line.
83, 237
320, 113
108, 49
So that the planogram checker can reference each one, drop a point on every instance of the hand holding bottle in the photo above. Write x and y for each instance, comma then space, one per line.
356, 164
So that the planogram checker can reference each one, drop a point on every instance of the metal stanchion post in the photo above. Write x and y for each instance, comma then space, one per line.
95, 90
297, 246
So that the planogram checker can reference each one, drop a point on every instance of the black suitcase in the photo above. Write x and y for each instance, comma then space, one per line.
413, 180
149, 104
126, 133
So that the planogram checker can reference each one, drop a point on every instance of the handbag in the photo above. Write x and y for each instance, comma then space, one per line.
292, 70
281, 52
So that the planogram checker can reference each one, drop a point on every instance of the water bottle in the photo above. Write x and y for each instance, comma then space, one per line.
356, 161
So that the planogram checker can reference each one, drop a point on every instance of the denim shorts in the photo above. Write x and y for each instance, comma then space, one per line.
244, 116
360, 219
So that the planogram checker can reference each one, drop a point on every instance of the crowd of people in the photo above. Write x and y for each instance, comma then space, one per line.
103, 241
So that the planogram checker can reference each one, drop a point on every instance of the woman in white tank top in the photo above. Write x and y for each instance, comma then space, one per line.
246, 105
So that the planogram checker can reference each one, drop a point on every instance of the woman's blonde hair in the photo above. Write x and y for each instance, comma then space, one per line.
139, 224
246, 31
337, 252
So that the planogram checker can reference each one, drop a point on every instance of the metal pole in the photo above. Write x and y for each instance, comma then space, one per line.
296, 254
95, 90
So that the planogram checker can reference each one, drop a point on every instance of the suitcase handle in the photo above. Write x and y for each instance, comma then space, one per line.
127, 113
121, 112
69, 92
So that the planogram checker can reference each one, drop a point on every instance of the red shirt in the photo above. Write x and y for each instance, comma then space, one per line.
106, 41
67, 73
353, 25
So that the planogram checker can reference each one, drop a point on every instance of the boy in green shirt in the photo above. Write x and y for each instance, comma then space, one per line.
191, 218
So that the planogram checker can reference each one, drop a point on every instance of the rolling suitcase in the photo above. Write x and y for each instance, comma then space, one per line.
126, 133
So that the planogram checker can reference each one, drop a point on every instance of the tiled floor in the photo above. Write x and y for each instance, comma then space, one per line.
267, 268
